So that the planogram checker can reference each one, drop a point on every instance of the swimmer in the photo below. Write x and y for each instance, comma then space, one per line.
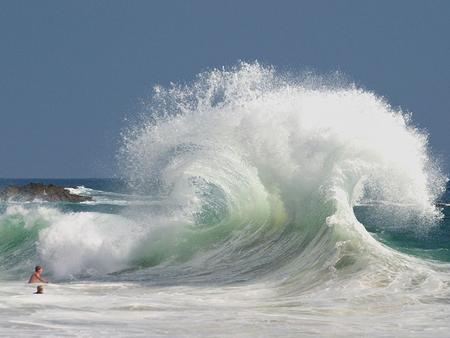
36, 276
39, 290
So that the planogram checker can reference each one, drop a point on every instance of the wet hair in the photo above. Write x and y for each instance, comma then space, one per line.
37, 268
40, 289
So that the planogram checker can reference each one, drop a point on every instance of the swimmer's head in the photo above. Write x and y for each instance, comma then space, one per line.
40, 289
38, 268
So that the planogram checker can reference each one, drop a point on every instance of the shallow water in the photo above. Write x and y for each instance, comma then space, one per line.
128, 309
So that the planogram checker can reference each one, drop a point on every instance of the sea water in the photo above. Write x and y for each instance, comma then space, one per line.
249, 203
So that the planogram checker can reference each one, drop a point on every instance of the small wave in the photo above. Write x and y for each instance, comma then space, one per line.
81, 190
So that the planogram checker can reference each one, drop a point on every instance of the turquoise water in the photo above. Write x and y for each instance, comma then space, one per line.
428, 241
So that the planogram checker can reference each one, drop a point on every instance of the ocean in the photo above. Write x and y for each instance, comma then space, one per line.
248, 203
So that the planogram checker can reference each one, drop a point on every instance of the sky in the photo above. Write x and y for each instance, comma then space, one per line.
72, 71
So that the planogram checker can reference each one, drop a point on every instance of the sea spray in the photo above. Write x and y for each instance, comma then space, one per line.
288, 155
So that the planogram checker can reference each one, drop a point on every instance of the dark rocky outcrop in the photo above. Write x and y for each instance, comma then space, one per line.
39, 191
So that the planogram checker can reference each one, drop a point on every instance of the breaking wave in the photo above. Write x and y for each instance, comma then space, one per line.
248, 173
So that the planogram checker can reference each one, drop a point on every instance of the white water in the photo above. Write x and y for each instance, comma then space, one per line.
249, 229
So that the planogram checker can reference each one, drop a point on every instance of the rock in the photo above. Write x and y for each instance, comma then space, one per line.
39, 191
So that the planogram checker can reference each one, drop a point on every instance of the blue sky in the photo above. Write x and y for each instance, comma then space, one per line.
70, 71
